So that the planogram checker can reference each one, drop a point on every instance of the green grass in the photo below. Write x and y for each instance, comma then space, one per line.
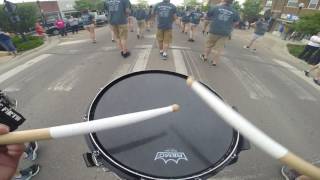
31, 43
294, 49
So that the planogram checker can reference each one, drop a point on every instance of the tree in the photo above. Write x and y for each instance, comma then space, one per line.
100, 6
308, 24
191, 3
81, 5
251, 9
236, 5
28, 13
143, 3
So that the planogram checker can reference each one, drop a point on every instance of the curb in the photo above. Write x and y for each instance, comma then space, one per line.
10, 63
284, 53
48, 42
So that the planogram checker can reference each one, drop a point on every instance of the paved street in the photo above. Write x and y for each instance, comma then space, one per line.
55, 86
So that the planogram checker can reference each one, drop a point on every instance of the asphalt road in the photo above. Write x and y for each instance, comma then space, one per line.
56, 85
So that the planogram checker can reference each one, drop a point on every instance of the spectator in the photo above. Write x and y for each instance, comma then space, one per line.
311, 47
39, 29
315, 59
317, 78
74, 24
6, 43
61, 26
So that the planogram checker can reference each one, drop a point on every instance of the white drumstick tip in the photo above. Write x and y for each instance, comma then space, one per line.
175, 108
190, 80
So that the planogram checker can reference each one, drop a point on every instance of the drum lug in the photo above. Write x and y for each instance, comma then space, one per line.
92, 159
96, 157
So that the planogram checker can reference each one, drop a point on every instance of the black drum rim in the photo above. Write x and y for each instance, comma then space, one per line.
115, 163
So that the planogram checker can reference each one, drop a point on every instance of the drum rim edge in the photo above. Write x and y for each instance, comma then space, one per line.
128, 170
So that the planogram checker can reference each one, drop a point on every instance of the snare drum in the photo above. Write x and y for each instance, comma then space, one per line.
190, 144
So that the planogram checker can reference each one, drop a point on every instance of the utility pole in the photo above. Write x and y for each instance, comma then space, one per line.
43, 19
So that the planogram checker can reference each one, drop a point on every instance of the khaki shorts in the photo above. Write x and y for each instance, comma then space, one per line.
256, 36
141, 24
120, 31
216, 41
164, 36
206, 23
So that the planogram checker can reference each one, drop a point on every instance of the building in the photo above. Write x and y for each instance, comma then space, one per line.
282, 8
67, 8
288, 11
49, 10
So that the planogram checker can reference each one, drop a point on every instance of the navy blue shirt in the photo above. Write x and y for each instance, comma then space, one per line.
261, 28
165, 12
195, 17
140, 14
117, 11
185, 17
223, 17
87, 19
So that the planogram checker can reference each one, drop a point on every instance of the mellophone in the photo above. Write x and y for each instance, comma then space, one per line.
205, 136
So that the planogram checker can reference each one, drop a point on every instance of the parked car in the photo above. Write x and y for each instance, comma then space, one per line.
101, 20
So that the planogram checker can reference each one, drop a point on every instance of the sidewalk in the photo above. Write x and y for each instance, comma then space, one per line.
279, 48
5, 57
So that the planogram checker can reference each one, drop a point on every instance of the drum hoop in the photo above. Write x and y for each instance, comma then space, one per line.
119, 165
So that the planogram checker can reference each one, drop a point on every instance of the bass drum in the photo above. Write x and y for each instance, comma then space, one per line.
190, 144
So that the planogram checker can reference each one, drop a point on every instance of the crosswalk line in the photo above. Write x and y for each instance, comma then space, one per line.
179, 62
109, 48
142, 59
150, 36
22, 67
73, 42
180, 47
67, 81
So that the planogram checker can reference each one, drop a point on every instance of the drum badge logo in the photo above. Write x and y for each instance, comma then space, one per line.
171, 155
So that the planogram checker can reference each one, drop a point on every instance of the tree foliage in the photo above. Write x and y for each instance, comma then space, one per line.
308, 24
28, 13
251, 9
81, 5
142, 3
191, 3
236, 5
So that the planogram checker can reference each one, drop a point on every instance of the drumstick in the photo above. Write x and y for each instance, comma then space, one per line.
84, 127
252, 133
